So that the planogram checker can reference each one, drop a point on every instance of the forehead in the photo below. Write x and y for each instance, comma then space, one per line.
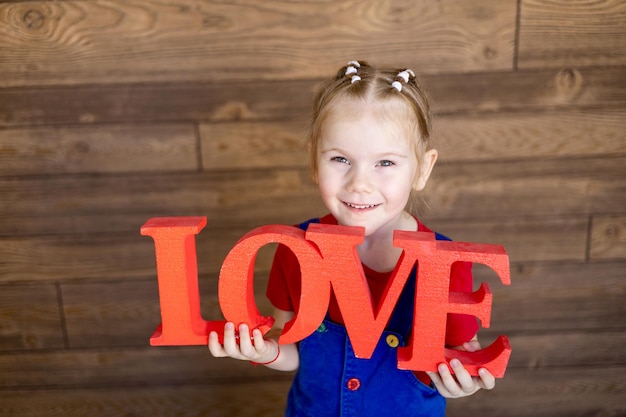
393, 108
392, 116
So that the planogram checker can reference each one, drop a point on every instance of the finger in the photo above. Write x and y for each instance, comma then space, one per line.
449, 382
245, 342
487, 380
215, 347
259, 341
230, 341
471, 346
465, 382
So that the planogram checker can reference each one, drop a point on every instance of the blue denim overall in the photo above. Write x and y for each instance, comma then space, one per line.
331, 381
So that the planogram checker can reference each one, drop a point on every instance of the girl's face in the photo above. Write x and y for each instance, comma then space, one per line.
367, 165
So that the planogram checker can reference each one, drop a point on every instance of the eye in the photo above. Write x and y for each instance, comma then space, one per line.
386, 163
340, 159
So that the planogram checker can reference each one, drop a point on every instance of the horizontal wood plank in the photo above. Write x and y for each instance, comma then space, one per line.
253, 145
130, 256
555, 393
73, 257
289, 100
457, 137
247, 199
101, 314
534, 351
573, 392
111, 314
565, 33
556, 296
67, 42
255, 399
97, 149
146, 366
512, 136
540, 239
30, 317
533, 187
80, 204
176, 365
608, 237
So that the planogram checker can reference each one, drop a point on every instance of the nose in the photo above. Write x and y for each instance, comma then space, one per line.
360, 180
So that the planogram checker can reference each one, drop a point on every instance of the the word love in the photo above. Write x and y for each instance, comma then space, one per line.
329, 262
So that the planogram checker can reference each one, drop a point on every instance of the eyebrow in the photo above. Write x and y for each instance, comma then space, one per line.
379, 156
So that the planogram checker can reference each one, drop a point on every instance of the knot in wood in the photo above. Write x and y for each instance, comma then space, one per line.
569, 82
490, 53
33, 19
612, 230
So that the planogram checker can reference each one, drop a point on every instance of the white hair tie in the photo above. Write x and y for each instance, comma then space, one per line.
355, 78
404, 75
350, 70
355, 64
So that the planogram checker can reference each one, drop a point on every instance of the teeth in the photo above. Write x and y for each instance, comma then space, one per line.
357, 206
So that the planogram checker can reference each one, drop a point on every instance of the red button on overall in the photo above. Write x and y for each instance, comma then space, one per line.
353, 384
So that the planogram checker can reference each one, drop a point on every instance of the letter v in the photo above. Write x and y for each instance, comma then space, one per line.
364, 322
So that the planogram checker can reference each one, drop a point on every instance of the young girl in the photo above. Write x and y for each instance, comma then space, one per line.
370, 152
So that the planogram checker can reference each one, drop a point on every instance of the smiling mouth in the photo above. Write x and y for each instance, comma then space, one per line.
361, 206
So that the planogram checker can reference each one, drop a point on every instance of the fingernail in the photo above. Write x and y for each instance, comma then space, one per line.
442, 368
455, 363
229, 326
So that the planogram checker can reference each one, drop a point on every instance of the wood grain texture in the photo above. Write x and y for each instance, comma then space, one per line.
102, 314
535, 351
608, 237
571, 33
102, 42
553, 392
501, 135
101, 149
30, 317
250, 198
253, 145
512, 136
561, 297
221, 400
129, 256
161, 366
532, 187
73, 257
289, 100
541, 238
129, 367
113, 112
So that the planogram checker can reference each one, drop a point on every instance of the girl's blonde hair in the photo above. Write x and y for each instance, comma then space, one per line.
359, 80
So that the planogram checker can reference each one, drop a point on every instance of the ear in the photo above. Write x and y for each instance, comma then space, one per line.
426, 165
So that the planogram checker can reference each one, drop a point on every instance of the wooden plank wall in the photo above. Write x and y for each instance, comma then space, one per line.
112, 112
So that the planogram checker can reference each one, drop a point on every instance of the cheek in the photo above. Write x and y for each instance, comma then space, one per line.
398, 188
325, 182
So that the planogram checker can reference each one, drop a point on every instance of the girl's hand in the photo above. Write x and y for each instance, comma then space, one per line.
243, 347
461, 384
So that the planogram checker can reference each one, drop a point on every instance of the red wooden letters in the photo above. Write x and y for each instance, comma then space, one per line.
329, 261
